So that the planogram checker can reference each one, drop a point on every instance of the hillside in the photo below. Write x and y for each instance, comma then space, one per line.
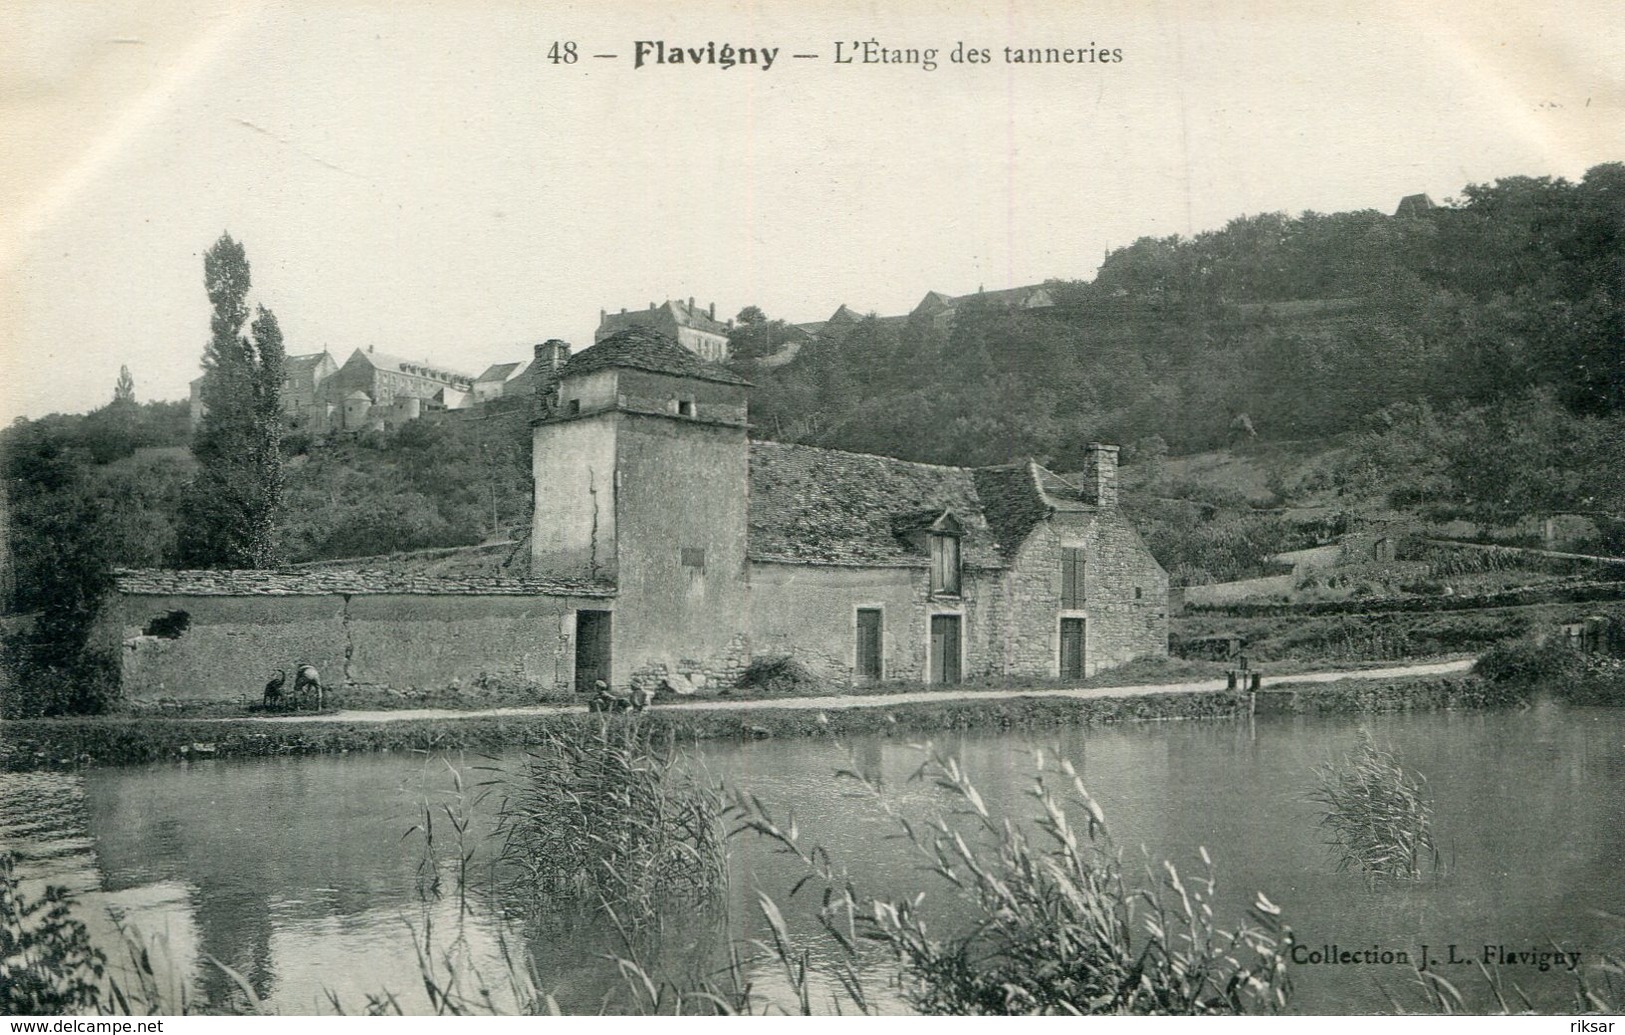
1276, 385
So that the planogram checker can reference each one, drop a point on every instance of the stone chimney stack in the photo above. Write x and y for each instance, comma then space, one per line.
550, 357
691, 303
1100, 474
552, 354
712, 313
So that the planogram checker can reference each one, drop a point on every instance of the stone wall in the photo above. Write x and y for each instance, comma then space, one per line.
214, 647
682, 603
809, 612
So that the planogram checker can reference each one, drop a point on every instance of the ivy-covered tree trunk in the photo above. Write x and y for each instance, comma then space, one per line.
230, 514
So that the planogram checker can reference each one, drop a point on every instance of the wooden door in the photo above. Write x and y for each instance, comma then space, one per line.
592, 649
944, 648
868, 643
1072, 648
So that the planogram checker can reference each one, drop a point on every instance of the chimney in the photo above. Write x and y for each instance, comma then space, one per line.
652, 307
552, 354
603, 314
691, 303
1100, 474
712, 312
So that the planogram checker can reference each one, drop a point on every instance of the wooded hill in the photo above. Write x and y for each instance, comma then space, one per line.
1469, 359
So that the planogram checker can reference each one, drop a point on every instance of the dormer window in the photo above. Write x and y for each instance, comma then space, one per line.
944, 563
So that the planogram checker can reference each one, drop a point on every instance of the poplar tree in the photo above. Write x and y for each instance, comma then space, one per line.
230, 513
124, 390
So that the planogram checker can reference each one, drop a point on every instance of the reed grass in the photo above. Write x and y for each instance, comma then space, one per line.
604, 815
1058, 926
1377, 816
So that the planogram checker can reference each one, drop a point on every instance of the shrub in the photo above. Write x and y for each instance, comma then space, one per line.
1530, 663
1380, 822
47, 964
37, 681
777, 675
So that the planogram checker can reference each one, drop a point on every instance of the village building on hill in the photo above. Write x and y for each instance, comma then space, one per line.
376, 391
670, 549
935, 309
696, 329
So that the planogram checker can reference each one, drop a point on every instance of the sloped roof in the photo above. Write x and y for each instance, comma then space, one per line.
693, 316
498, 372
825, 506
1016, 296
292, 365
1414, 205
640, 348
386, 361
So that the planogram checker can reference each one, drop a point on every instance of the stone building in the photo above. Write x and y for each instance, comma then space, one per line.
666, 543
864, 567
302, 380
696, 329
374, 390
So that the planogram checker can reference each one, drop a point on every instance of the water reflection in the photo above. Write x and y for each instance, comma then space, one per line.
295, 872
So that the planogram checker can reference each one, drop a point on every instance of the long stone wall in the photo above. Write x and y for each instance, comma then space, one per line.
212, 647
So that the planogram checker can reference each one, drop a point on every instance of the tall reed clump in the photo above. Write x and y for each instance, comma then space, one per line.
605, 815
1056, 925
1378, 818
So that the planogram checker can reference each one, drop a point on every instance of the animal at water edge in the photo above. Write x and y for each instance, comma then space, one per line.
307, 678
273, 689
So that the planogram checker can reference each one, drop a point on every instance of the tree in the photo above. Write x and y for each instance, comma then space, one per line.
230, 513
124, 391
60, 539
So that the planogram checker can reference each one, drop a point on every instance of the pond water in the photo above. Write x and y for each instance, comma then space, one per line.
300, 874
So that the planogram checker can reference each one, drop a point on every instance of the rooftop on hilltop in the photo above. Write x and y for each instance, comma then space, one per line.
640, 348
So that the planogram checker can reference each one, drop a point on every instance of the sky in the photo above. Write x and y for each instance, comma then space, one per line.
421, 177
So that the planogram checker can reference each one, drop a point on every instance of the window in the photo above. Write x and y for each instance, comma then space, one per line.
869, 640
694, 557
574, 407
944, 564
1071, 577
685, 407
1137, 593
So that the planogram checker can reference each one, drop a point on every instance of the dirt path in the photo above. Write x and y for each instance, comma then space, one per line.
886, 700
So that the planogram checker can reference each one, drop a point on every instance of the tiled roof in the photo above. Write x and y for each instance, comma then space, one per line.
308, 582
642, 349
824, 506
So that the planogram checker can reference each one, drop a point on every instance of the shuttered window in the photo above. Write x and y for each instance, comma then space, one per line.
1071, 577
944, 564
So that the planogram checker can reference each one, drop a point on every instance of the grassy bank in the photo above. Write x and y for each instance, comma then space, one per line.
43, 743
